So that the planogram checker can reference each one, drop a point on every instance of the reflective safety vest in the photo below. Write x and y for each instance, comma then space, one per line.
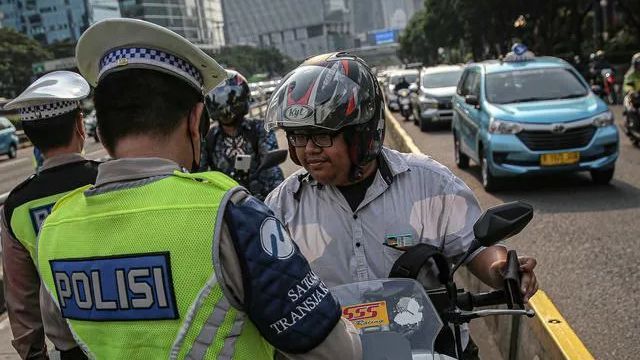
132, 270
27, 219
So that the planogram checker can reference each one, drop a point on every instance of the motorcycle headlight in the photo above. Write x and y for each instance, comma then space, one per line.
504, 127
429, 103
604, 119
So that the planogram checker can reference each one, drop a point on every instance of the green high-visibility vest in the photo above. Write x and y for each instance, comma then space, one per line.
132, 270
29, 217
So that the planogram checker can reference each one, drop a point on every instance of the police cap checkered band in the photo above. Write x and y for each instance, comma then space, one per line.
45, 111
153, 58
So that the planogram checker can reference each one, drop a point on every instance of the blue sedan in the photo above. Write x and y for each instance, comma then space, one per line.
531, 115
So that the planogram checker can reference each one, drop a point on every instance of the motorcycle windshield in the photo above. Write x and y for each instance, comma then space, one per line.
395, 318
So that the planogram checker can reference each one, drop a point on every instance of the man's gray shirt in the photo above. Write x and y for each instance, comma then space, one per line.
412, 199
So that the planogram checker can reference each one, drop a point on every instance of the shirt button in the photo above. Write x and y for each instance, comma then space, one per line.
355, 216
357, 244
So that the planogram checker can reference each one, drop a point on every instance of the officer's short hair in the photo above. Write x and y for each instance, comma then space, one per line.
51, 133
141, 101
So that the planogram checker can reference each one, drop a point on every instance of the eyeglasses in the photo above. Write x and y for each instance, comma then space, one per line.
320, 140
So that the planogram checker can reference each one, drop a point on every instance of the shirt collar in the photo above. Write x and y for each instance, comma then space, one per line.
62, 159
129, 169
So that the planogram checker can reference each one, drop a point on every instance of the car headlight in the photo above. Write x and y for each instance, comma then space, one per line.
504, 127
427, 102
604, 119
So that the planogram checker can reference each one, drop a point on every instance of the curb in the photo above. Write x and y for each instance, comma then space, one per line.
555, 339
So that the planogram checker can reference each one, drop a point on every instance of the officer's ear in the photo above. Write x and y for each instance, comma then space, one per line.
193, 122
80, 125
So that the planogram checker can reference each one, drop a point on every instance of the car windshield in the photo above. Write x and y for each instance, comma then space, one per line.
411, 78
533, 85
441, 79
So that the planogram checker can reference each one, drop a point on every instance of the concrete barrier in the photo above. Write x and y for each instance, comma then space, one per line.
547, 336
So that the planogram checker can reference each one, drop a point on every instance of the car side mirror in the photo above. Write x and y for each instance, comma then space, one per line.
472, 100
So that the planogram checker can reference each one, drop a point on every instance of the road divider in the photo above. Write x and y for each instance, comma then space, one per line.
547, 336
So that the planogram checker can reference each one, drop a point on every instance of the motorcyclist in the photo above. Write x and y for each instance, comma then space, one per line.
632, 79
235, 134
596, 64
355, 195
402, 84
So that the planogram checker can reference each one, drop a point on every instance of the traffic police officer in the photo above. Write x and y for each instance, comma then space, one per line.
354, 195
155, 262
52, 120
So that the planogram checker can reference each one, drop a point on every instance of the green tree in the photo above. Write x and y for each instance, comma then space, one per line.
249, 60
62, 49
17, 53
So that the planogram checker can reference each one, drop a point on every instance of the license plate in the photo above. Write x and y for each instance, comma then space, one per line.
565, 158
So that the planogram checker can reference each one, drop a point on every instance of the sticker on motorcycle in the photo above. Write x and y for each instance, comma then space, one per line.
373, 314
408, 312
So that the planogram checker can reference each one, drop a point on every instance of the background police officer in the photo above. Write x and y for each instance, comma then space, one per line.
52, 120
155, 262
234, 134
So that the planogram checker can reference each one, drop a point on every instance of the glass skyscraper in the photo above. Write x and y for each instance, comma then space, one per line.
49, 21
200, 21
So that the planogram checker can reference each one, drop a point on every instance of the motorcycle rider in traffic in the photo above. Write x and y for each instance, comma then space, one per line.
631, 90
402, 84
357, 204
236, 135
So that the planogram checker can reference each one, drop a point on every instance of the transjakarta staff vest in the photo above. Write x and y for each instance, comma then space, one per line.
132, 271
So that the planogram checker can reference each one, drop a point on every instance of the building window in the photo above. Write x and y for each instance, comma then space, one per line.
314, 31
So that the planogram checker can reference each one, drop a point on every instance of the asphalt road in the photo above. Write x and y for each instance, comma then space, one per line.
585, 238
15, 171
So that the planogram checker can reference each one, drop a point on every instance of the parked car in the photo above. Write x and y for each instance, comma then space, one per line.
393, 77
433, 92
8, 138
531, 115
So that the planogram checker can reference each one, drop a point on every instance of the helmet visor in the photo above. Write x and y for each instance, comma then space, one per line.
323, 97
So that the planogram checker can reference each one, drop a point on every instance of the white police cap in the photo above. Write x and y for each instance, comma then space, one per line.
53, 94
117, 44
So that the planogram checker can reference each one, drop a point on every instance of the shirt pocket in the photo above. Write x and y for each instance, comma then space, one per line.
405, 235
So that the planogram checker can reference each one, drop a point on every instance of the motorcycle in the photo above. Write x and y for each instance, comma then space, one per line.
404, 101
606, 87
632, 119
398, 319
241, 172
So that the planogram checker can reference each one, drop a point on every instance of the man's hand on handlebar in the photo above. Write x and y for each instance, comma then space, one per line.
529, 282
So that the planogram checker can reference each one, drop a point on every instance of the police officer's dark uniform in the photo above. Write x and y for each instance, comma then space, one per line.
47, 101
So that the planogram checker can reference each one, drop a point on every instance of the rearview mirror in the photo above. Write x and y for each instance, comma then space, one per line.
472, 100
273, 158
502, 222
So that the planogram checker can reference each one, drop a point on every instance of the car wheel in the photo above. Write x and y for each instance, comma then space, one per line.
462, 160
489, 182
13, 152
602, 177
425, 125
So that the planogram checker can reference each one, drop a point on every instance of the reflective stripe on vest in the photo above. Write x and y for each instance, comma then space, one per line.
132, 271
